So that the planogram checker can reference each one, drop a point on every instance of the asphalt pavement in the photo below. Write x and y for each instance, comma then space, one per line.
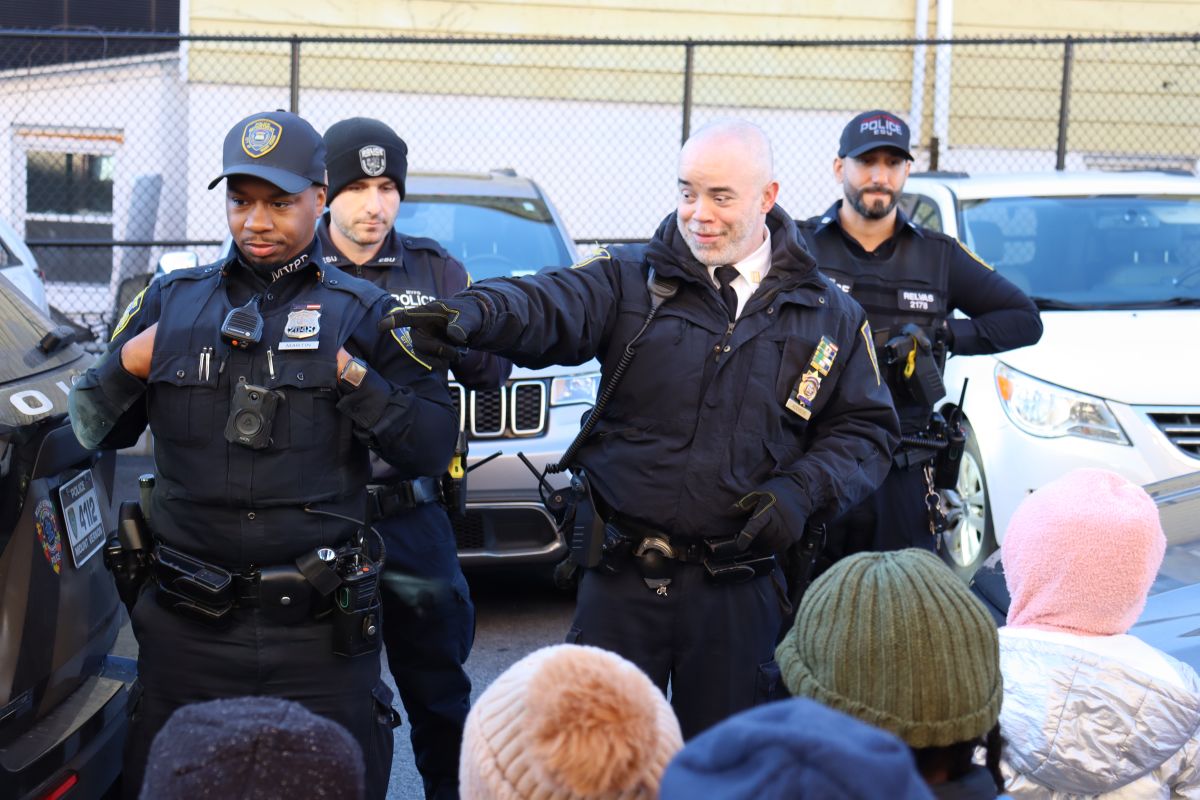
517, 611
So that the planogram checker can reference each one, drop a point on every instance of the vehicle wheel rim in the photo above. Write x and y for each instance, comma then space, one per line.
964, 508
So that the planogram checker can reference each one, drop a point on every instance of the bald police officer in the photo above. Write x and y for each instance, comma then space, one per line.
751, 407
426, 647
265, 383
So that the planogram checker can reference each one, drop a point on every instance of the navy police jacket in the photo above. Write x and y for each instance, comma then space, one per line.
923, 276
788, 399
237, 506
416, 270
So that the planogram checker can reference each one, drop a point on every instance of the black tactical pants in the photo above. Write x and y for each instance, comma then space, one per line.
180, 662
427, 646
714, 643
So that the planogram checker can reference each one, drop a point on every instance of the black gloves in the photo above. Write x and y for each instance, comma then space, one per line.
440, 330
766, 531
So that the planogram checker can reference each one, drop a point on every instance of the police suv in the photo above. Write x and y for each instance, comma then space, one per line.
1113, 262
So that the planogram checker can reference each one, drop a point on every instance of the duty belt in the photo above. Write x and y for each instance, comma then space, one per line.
653, 551
389, 499
206, 592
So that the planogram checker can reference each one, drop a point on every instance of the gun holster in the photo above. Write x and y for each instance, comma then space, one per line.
586, 542
913, 370
127, 553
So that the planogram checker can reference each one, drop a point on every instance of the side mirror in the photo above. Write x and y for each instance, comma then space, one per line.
176, 260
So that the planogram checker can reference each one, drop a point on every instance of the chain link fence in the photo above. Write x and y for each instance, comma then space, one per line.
109, 140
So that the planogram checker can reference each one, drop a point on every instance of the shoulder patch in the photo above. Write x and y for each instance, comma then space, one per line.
403, 337
597, 254
971, 253
131, 311
869, 343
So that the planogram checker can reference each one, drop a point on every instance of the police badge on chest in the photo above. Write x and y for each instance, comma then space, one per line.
303, 325
820, 362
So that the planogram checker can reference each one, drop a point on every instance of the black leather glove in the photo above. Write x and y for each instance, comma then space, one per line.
765, 531
440, 329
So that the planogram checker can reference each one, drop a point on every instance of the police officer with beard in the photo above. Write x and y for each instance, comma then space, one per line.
749, 407
266, 383
426, 646
909, 280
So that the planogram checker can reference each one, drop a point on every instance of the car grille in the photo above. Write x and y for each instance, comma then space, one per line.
1181, 427
516, 411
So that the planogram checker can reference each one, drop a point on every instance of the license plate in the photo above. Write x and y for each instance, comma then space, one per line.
81, 511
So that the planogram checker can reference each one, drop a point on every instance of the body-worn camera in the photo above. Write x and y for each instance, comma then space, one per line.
251, 416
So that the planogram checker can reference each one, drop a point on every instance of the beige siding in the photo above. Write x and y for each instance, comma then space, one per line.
1001, 97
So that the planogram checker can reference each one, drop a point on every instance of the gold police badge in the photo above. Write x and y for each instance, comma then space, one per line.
260, 136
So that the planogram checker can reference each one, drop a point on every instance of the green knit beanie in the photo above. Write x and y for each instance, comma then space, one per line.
897, 640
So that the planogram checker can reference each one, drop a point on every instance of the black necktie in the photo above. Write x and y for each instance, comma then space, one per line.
726, 276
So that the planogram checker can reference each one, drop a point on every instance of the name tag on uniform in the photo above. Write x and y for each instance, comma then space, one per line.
819, 364
918, 300
300, 345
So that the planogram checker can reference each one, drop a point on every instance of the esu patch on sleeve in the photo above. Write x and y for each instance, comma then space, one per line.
403, 337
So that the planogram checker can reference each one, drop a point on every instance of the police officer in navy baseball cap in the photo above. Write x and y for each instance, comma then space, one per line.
278, 147
268, 388
909, 280
871, 130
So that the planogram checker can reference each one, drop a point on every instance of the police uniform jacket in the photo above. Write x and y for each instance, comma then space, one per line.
701, 416
236, 506
922, 276
416, 270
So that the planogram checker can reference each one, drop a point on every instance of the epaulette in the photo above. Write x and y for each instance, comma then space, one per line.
424, 243
367, 293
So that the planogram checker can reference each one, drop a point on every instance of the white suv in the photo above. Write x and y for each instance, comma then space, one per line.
1113, 262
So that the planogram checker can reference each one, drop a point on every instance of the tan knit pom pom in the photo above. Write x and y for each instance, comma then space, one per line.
593, 722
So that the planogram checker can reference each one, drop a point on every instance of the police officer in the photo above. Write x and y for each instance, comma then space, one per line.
264, 380
902, 275
426, 647
750, 406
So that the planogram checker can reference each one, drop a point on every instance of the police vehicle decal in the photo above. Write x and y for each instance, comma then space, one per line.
260, 136
135, 305
596, 255
48, 534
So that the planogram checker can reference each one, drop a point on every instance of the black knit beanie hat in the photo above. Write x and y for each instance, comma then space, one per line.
358, 148
897, 640
251, 748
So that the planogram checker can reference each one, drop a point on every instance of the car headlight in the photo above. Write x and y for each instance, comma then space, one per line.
572, 389
1043, 409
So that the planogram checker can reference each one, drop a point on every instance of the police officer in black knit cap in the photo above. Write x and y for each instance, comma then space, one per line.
427, 646
266, 384
909, 280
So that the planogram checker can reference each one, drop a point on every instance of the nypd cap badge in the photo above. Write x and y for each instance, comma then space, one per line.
260, 136
372, 159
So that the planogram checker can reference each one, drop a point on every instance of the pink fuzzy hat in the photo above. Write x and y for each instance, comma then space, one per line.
568, 722
1081, 553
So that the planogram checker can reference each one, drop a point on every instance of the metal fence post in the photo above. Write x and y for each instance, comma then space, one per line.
1064, 104
689, 58
294, 101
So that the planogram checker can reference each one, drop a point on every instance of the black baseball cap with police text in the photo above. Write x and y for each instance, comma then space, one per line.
871, 130
276, 146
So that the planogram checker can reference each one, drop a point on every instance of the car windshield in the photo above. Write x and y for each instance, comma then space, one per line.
1092, 252
491, 236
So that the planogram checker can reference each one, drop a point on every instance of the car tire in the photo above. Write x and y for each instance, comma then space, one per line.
969, 537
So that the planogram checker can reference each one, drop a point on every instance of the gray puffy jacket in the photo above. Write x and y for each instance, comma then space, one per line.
1078, 723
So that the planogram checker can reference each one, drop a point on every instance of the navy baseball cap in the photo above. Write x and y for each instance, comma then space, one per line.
277, 146
871, 130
